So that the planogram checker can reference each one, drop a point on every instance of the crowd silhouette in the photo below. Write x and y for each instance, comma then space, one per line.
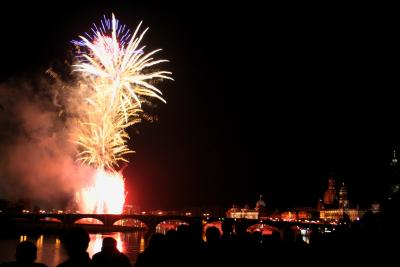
374, 239
25, 256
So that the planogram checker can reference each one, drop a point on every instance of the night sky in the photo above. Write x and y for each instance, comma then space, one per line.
266, 100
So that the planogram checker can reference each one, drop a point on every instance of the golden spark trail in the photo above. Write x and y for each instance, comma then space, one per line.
117, 77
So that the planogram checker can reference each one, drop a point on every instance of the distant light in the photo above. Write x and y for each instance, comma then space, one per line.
160, 213
358, 218
143, 212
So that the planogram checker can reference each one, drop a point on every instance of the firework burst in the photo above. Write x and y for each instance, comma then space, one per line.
116, 71
117, 77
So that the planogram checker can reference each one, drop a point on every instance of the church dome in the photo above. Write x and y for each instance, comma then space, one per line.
260, 203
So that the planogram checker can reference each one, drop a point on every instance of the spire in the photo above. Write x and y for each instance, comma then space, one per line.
394, 159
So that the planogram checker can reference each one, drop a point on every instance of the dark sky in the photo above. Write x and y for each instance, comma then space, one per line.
266, 99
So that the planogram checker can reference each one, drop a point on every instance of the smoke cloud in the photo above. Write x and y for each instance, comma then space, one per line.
37, 157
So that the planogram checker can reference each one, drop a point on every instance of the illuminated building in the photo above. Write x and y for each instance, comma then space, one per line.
335, 206
288, 216
246, 212
341, 214
330, 193
260, 204
242, 213
343, 200
305, 213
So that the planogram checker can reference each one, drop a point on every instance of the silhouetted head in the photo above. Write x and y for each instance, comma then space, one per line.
288, 235
212, 234
26, 252
195, 231
240, 229
227, 227
171, 235
182, 230
257, 236
75, 240
276, 235
109, 244
157, 240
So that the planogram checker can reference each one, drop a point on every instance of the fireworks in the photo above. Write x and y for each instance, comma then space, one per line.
116, 75
116, 71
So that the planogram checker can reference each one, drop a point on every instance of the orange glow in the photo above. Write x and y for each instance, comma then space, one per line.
164, 226
88, 221
130, 223
39, 245
57, 251
50, 219
141, 246
216, 224
263, 228
105, 196
96, 242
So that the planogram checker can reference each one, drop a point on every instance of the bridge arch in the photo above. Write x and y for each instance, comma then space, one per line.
131, 222
217, 224
265, 229
20, 219
50, 219
88, 220
164, 226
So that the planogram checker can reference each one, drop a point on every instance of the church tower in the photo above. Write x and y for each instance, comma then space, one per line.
394, 183
343, 199
330, 193
394, 160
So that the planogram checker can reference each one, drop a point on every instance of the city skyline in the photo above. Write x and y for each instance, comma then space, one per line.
265, 101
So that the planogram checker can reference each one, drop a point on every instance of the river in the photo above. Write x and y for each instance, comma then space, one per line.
51, 252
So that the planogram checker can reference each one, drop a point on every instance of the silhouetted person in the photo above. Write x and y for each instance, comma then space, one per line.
212, 235
213, 247
155, 253
76, 241
110, 255
25, 255
227, 230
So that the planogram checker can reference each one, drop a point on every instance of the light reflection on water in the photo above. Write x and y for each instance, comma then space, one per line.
51, 252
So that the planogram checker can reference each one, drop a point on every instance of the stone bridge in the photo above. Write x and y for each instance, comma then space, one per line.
278, 224
151, 221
